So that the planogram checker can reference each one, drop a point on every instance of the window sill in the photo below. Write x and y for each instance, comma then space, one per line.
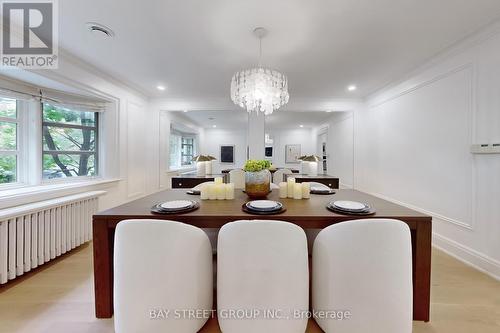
22, 195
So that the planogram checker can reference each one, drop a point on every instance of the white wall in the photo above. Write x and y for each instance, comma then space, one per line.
283, 137
215, 137
340, 147
413, 146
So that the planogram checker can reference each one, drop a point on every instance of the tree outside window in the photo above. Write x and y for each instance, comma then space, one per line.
69, 142
9, 146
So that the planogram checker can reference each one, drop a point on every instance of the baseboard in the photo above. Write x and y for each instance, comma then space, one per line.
467, 255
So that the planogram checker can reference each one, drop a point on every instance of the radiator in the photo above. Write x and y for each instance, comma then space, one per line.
33, 234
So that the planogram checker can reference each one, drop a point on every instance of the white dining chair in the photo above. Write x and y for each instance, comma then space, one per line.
364, 267
279, 175
262, 267
237, 177
160, 266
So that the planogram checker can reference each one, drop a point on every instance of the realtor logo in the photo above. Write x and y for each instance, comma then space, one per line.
29, 34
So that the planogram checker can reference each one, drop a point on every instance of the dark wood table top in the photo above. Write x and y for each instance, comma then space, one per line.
307, 213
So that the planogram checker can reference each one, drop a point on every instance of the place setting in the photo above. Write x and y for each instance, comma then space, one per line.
263, 207
350, 208
175, 207
321, 190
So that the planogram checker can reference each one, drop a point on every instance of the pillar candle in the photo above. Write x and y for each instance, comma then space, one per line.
221, 191
297, 191
218, 180
230, 191
200, 168
291, 183
204, 192
212, 194
306, 190
283, 190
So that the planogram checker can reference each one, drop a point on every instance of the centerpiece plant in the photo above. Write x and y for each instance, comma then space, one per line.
257, 178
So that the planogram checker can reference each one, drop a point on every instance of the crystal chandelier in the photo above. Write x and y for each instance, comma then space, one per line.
259, 89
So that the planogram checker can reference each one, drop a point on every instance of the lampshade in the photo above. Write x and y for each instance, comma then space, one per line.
309, 158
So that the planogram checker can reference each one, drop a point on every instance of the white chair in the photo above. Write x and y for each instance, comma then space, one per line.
237, 177
262, 265
279, 174
160, 265
364, 267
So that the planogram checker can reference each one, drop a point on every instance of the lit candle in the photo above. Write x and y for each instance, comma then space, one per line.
221, 191
204, 192
291, 183
297, 191
230, 191
218, 180
306, 190
283, 190
212, 194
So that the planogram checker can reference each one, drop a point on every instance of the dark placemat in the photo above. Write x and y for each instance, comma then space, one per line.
158, 210
255, 212
371, 211
323, 192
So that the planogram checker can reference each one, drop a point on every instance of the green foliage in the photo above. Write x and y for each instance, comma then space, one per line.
8, 108
7, 169
8, 136
256, 165
57, 138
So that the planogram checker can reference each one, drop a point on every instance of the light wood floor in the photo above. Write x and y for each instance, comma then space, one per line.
59, 298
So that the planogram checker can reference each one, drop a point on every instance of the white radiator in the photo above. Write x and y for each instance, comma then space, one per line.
32, 234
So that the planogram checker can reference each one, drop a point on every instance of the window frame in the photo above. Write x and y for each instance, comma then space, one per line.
96, 152
182, 135
19, 152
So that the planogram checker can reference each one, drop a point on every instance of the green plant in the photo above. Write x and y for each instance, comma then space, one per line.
256, 165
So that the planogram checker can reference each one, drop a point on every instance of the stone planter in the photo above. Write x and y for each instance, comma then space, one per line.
258, 184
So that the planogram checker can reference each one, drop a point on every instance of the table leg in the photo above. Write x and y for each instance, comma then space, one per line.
422, 274
103, 265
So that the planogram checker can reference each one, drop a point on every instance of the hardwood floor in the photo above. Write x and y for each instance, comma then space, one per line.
59, 298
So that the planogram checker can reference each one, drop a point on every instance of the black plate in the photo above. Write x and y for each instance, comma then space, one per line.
371, 211
258, 212
158, 210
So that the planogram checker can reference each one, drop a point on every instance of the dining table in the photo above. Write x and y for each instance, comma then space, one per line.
306, 213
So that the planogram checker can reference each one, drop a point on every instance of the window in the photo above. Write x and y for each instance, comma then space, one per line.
182, 149
70, 140
9, 141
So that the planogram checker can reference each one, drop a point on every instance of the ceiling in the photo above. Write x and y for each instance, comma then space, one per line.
193, 47
239, 120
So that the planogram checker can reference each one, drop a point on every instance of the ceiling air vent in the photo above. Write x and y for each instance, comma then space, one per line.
99, 29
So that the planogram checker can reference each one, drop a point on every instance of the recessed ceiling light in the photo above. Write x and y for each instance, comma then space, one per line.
328, 111
214, 126
352, 87
99, 29
301, 126
185, 111
161, 88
